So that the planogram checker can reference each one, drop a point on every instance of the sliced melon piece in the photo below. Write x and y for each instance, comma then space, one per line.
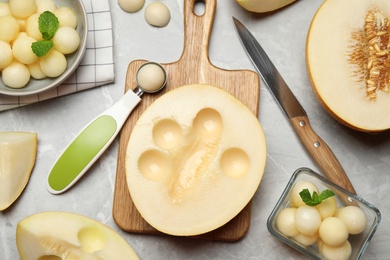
194, 160
263, 6
63, 235
18, 152
348, 62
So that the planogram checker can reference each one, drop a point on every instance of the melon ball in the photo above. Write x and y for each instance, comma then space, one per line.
53, 64
286, 222
298, 187
22, 24
9, 28
333, 231
305, 239
307, 220
20, 34
151, 77
22, 8
354, 218
157, 14
66, 40
131, 6
66, 16
35, 71
6, 56
342, 252
327, 208
32, 27
45, 5
4, 9
16, 75
22, 51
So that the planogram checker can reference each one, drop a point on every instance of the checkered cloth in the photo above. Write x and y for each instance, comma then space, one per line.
97, 66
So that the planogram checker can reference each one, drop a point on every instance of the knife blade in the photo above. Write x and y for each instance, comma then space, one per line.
315, 146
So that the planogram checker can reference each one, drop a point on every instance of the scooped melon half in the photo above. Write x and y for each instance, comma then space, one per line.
348, 62
194, 160
63, 235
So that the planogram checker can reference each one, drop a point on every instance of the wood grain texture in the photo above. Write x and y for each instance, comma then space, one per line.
193, 67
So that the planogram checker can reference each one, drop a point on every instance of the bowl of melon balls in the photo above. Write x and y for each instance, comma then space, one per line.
321, 219
42, 42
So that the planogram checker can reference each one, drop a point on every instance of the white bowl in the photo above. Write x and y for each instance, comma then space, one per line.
36, 86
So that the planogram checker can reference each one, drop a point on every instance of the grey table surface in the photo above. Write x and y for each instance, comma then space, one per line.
366, 158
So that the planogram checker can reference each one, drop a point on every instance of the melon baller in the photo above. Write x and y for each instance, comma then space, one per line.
96, 136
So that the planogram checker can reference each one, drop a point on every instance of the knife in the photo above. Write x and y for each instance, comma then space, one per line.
315, 146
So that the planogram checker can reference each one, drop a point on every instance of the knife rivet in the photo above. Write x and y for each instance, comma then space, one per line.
317, 144
302, 123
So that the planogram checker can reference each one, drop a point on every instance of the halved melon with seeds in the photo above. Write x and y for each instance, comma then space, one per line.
348, 62
194, 160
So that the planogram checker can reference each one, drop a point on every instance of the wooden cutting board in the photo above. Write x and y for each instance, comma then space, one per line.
193, 67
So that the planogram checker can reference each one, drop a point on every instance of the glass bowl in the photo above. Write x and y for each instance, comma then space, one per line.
35, 86
358, 242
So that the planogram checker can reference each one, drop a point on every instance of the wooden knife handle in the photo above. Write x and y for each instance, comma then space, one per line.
321, 153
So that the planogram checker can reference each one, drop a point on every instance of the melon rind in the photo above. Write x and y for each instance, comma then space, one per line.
263, 6
18, 152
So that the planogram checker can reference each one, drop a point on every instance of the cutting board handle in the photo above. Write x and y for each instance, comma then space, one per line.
197, 30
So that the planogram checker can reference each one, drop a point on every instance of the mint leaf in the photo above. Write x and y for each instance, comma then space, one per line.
40, 48
48, 25
315, 199
305, 196
326, 194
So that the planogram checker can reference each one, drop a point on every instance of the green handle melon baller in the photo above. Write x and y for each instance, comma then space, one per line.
94, 139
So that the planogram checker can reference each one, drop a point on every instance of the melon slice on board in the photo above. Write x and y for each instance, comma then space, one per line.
194, 160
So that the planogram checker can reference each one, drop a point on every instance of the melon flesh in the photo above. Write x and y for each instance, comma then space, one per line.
337, 62
262, 6
18, 152
63, 235
194, 160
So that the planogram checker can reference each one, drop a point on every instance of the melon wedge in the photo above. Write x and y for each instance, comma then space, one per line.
17, 159
63, 235
194, 160
263, 6
348, 62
